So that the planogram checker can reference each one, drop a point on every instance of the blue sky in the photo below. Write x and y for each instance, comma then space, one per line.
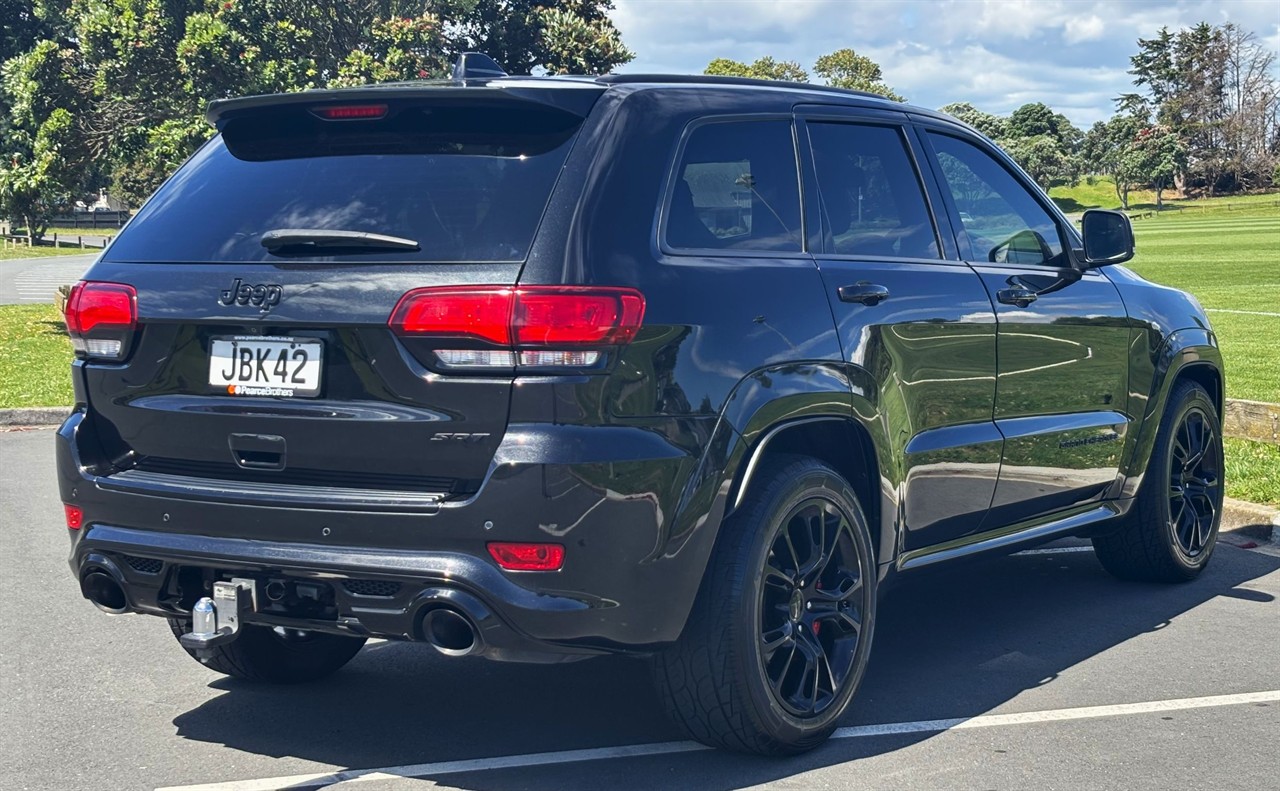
996, 54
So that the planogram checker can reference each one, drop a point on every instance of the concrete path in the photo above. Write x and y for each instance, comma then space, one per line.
25, 281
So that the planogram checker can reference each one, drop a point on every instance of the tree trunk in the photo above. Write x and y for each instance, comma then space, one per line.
1159, 195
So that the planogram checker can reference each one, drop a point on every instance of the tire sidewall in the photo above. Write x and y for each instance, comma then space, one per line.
817, 481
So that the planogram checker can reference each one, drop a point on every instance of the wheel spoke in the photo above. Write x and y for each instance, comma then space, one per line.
775, 639
776, 576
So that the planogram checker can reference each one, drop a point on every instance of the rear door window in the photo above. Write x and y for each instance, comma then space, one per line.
736, 188
871, 194
466, 183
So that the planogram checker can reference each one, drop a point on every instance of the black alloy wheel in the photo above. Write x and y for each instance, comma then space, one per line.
1171, 528
780, 634
1195, 482
810, 607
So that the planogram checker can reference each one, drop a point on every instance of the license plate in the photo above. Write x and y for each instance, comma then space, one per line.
253, 365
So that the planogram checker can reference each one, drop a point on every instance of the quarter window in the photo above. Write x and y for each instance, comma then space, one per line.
1002, 222
870, 192
737, 189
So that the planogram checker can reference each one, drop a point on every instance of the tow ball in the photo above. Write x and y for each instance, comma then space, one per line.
216, 621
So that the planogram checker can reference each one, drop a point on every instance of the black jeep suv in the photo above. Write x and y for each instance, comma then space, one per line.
681, 367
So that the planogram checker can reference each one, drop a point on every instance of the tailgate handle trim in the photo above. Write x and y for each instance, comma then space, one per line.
258, 451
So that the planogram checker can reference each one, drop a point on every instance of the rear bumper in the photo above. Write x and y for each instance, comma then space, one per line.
624, 586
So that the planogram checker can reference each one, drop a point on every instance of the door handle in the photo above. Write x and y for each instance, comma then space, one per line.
1018, 295
867, 293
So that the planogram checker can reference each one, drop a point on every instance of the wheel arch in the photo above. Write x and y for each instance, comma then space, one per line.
1188, 354
841, 443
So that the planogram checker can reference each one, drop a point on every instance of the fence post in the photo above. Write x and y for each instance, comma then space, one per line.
80, 239
55, 241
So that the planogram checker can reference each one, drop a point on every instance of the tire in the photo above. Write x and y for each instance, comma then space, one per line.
729, 681
1170, 533
261, 653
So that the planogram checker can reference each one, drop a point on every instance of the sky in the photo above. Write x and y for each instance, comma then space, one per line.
1073, 55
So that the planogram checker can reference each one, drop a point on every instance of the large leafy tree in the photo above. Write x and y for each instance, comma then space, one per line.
42, 159
989, 124
845, 68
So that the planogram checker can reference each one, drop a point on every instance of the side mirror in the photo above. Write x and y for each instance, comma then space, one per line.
1108, 237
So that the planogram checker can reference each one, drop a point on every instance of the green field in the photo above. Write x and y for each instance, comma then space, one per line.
1231, 262
1101, 194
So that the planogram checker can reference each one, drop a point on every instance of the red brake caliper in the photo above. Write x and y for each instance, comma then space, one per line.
817, 625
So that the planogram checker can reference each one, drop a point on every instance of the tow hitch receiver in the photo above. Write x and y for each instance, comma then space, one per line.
216, 621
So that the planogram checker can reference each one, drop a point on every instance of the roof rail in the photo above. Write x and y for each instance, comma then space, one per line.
476, 66
716, 79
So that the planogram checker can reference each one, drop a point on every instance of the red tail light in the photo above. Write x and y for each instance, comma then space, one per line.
518, 556
100, 317
545, 326
75, 516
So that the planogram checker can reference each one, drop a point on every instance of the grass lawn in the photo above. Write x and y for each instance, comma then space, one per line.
22, 251
1101, 194
1231, 262
35, 357
1253, 471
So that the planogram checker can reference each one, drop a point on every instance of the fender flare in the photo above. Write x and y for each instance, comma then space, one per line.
1181, 351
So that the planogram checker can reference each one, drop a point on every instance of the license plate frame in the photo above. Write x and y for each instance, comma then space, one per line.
269, 373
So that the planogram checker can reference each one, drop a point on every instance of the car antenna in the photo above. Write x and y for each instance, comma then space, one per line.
476, 66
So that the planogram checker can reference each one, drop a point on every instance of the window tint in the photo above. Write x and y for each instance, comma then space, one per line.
870, 192
468, 183
737, 189
1002, 222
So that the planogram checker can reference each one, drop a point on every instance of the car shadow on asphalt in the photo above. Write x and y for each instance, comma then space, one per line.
954, 643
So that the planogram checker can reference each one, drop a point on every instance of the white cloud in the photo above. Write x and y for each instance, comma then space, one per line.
1078, 29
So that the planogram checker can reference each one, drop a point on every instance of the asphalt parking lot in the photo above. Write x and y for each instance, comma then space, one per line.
1036, 670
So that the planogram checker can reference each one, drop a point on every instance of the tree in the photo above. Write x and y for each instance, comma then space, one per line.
1043, 158
571, 36
993, 126
845, 68
42, 149
1109, 146
765, 68
1158, 155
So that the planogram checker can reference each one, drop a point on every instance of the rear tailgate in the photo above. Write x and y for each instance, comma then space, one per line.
278, 366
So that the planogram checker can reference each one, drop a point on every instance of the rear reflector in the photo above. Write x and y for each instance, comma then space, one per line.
548, 325
351, 112
518, 556
75, 516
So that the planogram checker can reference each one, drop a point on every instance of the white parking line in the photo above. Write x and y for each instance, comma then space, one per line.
669, 748
1245, 312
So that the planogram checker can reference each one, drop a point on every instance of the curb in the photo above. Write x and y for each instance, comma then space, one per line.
1258, 522
29, 417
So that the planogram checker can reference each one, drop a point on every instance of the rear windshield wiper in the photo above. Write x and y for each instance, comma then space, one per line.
309, 240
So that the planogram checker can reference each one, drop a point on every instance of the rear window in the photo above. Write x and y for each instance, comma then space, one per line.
465, 183
737, 189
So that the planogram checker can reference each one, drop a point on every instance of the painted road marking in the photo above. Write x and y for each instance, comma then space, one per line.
1243, 312
671, 748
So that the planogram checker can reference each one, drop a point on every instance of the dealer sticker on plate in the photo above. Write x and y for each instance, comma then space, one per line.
254, 365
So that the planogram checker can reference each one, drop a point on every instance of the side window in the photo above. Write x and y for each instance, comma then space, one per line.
870, 192
1002, 222
737, 189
